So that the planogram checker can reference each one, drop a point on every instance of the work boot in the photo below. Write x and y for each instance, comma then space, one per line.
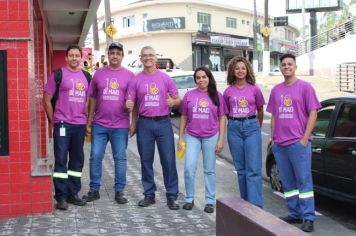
62, 205
75, 200
147, 201
91, 196
119, 198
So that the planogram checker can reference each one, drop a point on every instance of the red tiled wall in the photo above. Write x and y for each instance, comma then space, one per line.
20, 193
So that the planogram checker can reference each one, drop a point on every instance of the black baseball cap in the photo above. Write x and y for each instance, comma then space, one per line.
116, 45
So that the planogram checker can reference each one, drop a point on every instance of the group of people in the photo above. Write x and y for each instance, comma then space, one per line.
149, 96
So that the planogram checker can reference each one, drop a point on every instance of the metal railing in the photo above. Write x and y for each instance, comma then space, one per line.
337, 33
346, 77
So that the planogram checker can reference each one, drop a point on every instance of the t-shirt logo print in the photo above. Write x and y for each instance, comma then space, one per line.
203, 103
114, 84
243, 102
79, 85
286, 108
287, 101
153, 89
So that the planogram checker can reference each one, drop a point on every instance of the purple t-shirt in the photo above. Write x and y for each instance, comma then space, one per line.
150, 92
290, 106
243, 102
202, 114
109, 88
71, 102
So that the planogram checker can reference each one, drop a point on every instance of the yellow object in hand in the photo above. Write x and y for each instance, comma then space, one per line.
181, 151
88, 135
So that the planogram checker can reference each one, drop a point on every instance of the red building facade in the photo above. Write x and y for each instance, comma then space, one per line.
27, 51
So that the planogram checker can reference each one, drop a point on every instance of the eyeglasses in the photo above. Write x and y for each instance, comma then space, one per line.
147, 55
116, 45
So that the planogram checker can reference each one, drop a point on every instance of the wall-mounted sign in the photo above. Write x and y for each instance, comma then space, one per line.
4, 125
280, 21
164, 24
295, 6
229, 41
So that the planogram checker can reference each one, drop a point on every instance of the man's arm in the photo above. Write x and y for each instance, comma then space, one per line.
272, 128
310, 125
91, 109
48, 106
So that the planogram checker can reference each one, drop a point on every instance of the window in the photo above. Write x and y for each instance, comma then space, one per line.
322, 122
231, 22
243, 22
247, 22
128, 21
204, 18
346, 122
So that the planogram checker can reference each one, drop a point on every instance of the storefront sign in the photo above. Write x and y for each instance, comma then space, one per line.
228, 41
4, 125
282, 46
164, 24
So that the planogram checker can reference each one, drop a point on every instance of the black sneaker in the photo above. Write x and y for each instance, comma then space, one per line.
209, 208
188, 206
62, 205
308, 226
172, 204
119, 198
75, 200
147, 201
291, 220
91, 196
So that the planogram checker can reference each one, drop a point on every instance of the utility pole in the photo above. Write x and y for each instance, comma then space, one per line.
107, 20
255, 61
266, 53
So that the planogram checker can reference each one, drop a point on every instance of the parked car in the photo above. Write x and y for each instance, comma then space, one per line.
184, 81
333, 151
165, 64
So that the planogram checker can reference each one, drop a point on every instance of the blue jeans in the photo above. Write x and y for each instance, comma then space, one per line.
294, 166
67, 173
194, 145
244, 138
160, 131
118, 140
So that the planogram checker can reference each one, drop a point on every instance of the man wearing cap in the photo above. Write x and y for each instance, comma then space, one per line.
109, 120
155, 93
68, 118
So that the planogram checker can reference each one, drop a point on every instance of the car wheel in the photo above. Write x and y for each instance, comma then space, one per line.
274, 178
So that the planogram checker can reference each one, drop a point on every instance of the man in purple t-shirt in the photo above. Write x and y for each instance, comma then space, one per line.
294, 106
154, 94
109, 120
68, 119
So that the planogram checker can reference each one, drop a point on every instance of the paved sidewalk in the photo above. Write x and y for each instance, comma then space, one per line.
106, 217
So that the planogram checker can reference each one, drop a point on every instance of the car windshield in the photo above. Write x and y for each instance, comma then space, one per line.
184, 81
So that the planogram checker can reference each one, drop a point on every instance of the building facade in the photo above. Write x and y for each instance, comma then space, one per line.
33, 37
193, 32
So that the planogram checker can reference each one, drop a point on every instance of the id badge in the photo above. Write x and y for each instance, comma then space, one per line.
62, 131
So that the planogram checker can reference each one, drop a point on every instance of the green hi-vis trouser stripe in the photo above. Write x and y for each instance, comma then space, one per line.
291, 193
60, 175
74, 173
306, 195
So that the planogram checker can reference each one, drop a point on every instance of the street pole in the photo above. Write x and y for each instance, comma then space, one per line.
266, 53
255, 61
107, 20
304, 49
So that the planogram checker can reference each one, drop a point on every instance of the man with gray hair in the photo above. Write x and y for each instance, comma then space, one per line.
155, 93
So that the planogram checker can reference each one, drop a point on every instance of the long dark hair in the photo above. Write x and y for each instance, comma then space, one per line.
231, 79
212, 90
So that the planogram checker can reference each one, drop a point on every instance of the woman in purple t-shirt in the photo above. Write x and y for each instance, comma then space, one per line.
243, 98
203, 122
